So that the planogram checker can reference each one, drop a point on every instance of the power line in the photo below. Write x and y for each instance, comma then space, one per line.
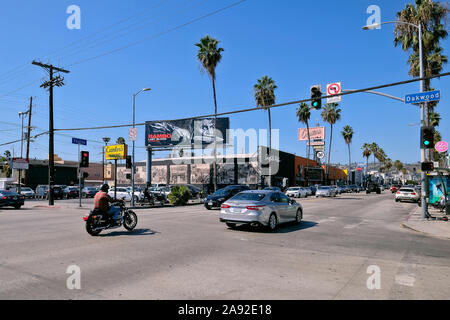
259, 108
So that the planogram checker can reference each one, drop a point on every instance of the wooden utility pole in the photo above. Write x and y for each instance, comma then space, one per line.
59, 82
29, 128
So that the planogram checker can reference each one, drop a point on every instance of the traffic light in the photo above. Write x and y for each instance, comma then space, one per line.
427, 137
84, 163
316, 97
129, 165
427, 166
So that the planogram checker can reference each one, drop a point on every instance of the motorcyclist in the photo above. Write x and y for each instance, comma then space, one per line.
147, 195
102, 201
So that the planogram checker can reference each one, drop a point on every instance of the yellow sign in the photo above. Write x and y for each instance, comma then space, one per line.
116, 152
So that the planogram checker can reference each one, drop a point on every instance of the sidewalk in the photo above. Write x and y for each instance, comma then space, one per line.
435, 228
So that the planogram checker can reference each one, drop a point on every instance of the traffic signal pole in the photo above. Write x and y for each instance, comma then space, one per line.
79, 174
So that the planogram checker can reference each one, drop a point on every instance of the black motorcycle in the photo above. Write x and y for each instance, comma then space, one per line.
154, 198
97, 221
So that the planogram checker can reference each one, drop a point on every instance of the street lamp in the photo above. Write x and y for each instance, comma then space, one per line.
423, 115
106, 140
132, 164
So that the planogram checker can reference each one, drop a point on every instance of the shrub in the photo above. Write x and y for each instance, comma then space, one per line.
179, 195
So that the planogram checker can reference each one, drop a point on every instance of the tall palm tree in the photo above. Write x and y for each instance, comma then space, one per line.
434, 119
430, 15
331, 114
209, 55
265, 96
347, 133
366, 153
374, 148
304, 114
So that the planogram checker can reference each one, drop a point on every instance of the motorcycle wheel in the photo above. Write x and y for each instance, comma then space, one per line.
90, 229
130, 220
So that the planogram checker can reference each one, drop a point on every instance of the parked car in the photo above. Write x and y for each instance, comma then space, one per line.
260, 208
138, 192
273, 189
11, 199
89, 192
296, 192
325, 191
58, 193
41, 191
313, 190
216, 199
407, 194
71, 192
27, 192
340, 189
354, 188
121, 193
308, 191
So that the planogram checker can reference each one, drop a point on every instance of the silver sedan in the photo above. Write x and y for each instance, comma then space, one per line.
260, 208
326, 191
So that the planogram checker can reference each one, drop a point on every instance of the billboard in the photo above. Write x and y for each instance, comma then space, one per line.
198, 132
437, 187
116, 152
317, 133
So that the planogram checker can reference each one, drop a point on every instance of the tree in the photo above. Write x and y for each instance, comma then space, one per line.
265, 96
366, 154
375, 149
304, 114
330, 114
347, 134
209, 55
398, 165
120, 140
429, 15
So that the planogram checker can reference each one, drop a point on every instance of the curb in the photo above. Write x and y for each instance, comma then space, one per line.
404, 225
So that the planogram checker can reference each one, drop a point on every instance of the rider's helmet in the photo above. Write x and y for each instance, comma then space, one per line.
104, 187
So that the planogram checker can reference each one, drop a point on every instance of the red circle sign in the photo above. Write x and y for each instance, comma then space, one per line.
333, 89
441, 146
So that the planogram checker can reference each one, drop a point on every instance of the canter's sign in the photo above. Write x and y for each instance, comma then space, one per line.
317, 133
116, 152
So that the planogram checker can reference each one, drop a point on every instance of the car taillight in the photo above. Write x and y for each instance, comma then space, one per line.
413, 193
224, 206
398, 192
4, 198
254, 207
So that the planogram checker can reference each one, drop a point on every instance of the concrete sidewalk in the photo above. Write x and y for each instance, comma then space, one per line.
435, 228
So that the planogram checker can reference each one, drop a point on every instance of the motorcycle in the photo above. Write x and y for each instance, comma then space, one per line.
154, 197
96, 221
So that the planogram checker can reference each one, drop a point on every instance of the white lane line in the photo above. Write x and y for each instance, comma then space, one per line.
330, 219
355, 225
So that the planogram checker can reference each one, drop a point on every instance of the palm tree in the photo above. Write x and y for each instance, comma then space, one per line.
366, 153
374, 148
434, 118
265, 97
398, 165
209, 55
303, 114
347, 133
120, 140
330, 114
429, 15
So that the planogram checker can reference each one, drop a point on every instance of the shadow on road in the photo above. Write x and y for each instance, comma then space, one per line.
135, 232
282, 228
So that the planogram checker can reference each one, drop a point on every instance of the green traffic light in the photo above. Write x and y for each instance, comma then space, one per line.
426, 143
315, 103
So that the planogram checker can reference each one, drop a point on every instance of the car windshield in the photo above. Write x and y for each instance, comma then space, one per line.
7, 193
250, 196
222, 192
91, 189
406, 190
294, 189
324, 188
26, 189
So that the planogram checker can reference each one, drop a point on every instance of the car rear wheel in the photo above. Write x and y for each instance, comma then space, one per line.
298, 216
272, 225
17, 206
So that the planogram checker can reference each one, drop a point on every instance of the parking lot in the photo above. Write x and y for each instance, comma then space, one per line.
186, 253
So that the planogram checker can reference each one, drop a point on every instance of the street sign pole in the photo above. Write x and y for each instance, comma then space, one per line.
79, 174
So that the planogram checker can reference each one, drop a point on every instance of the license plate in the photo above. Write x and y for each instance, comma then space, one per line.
235, 210
15, 198
210, 203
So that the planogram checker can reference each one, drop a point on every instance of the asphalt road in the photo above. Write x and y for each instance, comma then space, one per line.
186, 253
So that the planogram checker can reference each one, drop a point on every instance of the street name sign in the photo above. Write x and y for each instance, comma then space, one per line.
79, 141
333, 89
423, 97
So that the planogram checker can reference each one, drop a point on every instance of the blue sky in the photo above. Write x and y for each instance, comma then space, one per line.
297, 43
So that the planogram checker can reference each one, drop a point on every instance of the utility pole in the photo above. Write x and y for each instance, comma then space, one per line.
59, 82
29, 132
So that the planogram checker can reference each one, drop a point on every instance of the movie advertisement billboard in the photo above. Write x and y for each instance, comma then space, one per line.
197, 132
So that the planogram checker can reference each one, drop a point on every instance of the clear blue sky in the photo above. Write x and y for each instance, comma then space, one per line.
297, 43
